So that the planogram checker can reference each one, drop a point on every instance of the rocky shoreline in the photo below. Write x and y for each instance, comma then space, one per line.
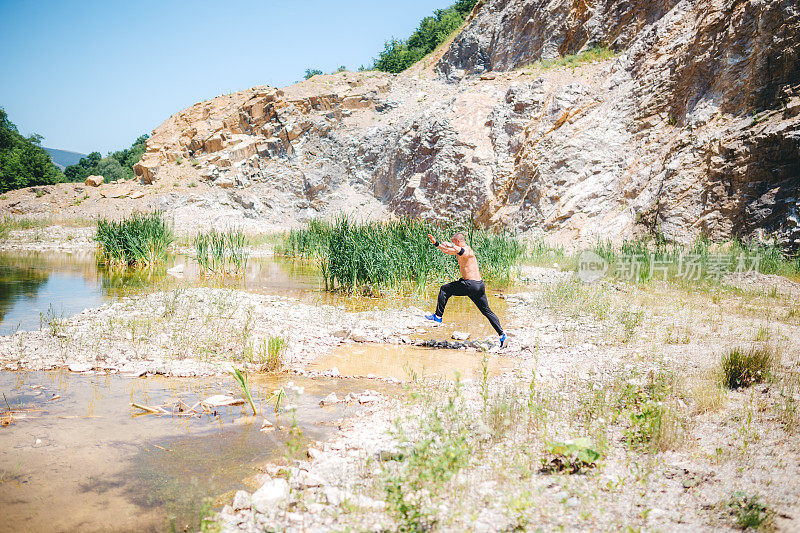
175, 332
576, 360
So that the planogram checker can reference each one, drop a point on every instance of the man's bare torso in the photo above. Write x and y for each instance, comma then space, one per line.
468, 264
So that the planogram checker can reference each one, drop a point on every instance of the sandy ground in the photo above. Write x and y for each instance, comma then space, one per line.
632, 369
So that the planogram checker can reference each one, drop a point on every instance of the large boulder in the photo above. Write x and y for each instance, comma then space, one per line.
146, 168
94, 181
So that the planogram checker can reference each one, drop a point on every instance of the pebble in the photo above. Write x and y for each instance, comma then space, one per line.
572, 502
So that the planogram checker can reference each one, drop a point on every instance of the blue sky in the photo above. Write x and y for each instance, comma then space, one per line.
95, 75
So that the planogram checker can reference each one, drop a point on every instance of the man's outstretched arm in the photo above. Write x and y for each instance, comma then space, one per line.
446, 247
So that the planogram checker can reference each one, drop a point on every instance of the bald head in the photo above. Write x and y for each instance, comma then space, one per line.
458, 239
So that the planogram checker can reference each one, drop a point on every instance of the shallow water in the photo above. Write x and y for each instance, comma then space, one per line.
407, 362
36, 285
82, 459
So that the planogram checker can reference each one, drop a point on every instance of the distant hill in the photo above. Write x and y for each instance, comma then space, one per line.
63, 158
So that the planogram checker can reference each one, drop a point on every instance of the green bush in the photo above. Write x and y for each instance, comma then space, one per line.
399, 54
743, 368
749, 512
140, 240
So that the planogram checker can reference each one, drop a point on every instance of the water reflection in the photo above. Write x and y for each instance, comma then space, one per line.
41, 285
35, 286
80, 438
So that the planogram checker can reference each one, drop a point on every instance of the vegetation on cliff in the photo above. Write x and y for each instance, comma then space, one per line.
23, 163
399, 54
117, 165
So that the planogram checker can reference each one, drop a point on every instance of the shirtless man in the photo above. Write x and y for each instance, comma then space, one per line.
469, 285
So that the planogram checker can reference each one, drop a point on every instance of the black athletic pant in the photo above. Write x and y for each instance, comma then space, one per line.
476, 290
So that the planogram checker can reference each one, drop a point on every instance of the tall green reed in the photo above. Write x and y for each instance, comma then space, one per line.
141, 240
394, 254
221, 252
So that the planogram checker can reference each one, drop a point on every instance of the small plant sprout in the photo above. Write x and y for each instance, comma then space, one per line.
278, 395
749, 512
572, 457
241, 378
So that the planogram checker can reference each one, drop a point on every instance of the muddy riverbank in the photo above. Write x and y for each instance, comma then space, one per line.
76, 434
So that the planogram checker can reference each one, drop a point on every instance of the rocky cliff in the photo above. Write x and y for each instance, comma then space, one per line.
693, 126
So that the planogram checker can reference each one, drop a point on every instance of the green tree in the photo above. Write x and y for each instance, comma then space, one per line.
83, 168
117, 165
311, 72
399, 54
464, 6
23, 163
110, 169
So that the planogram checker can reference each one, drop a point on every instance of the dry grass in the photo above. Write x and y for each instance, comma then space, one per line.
706, 393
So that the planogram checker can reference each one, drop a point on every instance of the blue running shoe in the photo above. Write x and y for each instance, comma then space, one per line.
434, 318
503, 340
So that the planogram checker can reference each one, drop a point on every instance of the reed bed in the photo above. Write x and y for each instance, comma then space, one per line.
372, 256
222, 252
141, 240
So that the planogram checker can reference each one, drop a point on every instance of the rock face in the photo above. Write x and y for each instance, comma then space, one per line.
692, 127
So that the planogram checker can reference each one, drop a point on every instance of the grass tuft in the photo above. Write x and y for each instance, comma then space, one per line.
743, 368
596, 53
271, 353
221, 253
749, 512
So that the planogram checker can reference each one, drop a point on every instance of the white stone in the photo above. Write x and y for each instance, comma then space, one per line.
309, 479
367, 398
333, 495
269, 495
241, 500
330, 399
